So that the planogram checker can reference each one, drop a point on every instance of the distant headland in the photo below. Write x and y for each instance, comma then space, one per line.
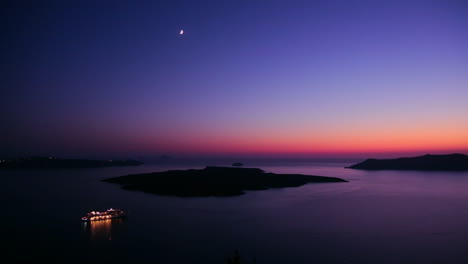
213, 181
51, 162
449, 162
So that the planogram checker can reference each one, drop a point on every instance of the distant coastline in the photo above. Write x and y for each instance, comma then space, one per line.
449, 162
51, 162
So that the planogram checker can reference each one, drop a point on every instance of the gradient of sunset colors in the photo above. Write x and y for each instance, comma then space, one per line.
247, 78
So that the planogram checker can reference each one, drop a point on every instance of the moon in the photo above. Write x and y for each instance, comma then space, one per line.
181, 32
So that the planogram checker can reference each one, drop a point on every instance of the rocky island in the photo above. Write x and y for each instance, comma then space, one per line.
450, 162
51, 162
213, 181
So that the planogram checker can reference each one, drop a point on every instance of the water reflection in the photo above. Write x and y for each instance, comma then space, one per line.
103, 229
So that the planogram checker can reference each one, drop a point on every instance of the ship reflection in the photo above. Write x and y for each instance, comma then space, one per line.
103, 229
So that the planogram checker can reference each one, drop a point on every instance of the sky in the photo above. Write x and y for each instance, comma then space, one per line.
247, 78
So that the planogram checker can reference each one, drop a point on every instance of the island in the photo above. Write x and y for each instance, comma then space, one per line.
213, 181
449, 162
51, 162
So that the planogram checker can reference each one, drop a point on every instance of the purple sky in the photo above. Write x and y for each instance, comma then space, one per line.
115, 78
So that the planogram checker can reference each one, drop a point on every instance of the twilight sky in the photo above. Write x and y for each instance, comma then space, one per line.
258, 78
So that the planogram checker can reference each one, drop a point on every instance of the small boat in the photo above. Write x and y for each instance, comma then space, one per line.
110, 213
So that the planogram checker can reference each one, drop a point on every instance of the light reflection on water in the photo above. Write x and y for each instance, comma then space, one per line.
102, 229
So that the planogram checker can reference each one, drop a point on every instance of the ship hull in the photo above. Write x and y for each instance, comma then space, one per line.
106, 215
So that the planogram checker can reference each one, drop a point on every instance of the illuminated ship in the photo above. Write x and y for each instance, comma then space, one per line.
108, 214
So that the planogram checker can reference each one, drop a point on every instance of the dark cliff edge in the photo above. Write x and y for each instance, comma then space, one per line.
50, 162
449, 162
213, 181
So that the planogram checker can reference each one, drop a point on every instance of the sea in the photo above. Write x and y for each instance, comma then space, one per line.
376, 217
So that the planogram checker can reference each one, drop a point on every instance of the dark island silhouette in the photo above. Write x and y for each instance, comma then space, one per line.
449, 162
213, 181
50, 162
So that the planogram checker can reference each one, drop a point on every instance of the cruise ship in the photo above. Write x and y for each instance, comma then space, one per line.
108, 214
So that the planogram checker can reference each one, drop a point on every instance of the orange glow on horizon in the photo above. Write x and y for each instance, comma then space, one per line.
346, 144
424, 137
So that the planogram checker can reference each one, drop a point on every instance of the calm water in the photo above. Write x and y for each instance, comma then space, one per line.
377, 217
